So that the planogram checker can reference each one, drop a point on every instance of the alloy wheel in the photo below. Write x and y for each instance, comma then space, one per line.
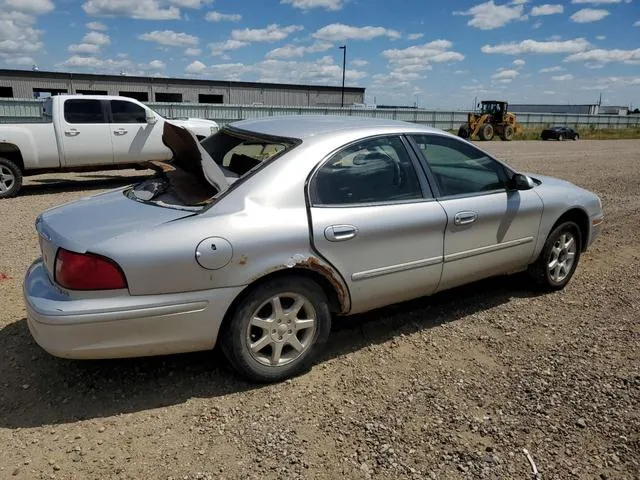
562, 257
281, 329
7, 179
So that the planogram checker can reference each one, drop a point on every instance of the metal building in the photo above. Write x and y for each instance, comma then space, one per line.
34, 84
562, 109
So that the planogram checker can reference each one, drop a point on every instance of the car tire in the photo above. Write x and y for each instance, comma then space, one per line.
267, 344
559, 258
10, 178
560, 138
576, 137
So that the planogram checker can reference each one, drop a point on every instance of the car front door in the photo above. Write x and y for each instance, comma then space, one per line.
134, 140
375, 220
490, 229
85, 135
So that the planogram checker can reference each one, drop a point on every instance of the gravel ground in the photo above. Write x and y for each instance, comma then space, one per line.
454, 386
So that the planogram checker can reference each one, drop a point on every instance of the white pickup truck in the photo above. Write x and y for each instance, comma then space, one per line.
85, 133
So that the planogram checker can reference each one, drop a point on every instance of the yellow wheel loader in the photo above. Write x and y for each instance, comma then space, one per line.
492, 118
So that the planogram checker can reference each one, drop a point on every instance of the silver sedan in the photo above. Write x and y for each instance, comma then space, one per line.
260, 235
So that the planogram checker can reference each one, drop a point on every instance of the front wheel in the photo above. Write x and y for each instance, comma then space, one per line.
576, 136
278, 329
560, 138
559, 257
10, 178
464, 131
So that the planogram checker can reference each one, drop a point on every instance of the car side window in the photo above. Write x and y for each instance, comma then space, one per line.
83, 111
127, 112
460, 168
377, 170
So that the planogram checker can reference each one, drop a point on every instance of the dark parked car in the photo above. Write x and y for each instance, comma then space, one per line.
559, 133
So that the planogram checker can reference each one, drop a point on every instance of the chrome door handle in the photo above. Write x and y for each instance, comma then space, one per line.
72, 133
121, 131
340, 233
465, 218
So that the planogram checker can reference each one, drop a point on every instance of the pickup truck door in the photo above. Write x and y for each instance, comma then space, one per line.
133, 139
84, 133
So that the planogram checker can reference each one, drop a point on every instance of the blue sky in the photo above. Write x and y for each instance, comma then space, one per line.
436, 53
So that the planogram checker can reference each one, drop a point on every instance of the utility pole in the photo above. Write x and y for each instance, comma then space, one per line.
344, 64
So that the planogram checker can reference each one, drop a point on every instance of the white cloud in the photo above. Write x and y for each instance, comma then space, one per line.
546, 9
637, 24
358, 62
488, 15
599, 2
433, 52
505, 75
331, 5
18, 37
290, 51
321, 71
139, 9
460, 72
537, 24
192, 52
602, 56
534, 46
109, 65
222, 17
29, 7
562, 78
588, 15
219, 48
340, 31
551, 69
195, 68
97, 26
190, 3
603, 37
415, 36
97, 38
89, 48
548, 92
20, 61
519, 62
169, 38
272, 33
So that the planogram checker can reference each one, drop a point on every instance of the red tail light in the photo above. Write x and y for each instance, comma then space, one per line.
86, 271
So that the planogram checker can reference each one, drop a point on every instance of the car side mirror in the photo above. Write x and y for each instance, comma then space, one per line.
520, 181
151, 118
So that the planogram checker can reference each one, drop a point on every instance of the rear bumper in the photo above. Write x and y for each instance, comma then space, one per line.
116, 324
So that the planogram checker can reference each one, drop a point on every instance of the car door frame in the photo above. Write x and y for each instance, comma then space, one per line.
484, 250
66, 158
143, 135
428, 196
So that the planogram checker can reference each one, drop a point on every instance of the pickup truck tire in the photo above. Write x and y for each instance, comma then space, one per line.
10, 178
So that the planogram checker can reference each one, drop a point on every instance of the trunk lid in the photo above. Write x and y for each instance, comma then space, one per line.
80, 225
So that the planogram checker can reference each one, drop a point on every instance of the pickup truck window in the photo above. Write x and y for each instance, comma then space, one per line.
83, 111
127, 112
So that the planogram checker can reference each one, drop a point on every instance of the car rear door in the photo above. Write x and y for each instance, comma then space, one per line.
84, 134
490, 229
375, 220
134, 140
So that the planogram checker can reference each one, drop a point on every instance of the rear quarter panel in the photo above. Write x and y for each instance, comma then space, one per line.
36, 141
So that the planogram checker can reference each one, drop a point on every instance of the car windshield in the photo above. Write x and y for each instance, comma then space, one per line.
198, 174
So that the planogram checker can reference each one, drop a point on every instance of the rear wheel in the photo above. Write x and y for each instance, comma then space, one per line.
486, 132
559, 257
560, 138
576, 136
507, 134
464, 131
278, 329
10, 178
